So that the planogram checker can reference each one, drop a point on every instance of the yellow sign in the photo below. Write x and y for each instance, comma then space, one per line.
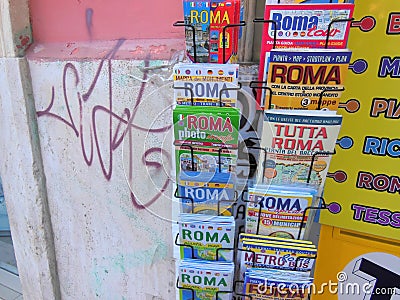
359, 266
364, 176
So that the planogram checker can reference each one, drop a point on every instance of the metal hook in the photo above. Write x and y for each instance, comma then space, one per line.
322, 93
313, 160
183, 245
251, 85
188, 89
228, 89
259, 20
184, 198
242, 23
182, 23
330, 25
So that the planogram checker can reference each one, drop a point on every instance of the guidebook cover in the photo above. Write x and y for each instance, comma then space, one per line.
279, 256
282, 211
206, 126
206, 235
292, 138
223, 13
209, 83
205, 278
196, 13
212, 193
307, 79
303, 26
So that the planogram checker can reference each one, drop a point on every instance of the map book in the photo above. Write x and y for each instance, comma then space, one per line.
205, 278
302, 26
209, 83
212, 193
282, 209
206, 235
299, 146
206, 138
196, 14
276, 255
223, 13
307, 78
276, 284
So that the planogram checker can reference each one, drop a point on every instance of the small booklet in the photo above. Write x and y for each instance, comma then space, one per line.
282, 209
276, 255
212, 193
206, 138
276, 284
206, 234
209, 83
196, 13
205, 279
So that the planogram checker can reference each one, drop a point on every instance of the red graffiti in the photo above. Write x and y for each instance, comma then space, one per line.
125, 126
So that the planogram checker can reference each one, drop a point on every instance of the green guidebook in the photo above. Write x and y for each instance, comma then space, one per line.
206, 138
206, 234
205, 279
206, 126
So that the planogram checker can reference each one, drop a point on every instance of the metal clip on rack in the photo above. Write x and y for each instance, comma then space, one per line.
330, 25
322, 93
187, 89
228, 89
240, 24
183, 24
262, 87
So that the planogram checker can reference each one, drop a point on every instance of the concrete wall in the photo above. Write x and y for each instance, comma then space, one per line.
107, 165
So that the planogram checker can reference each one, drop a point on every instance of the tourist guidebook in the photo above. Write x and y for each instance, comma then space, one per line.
212, 130
269, 240
205, 278
276, 284
197, 14
307, 79
306, 1
209, 191
282, 209
291, 139
303, 26
276, 255
223, 13
206, 234
208, 18
209, 84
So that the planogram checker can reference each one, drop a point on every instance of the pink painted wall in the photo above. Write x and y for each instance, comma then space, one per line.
84, 20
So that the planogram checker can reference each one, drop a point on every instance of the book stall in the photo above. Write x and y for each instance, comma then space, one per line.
325, 153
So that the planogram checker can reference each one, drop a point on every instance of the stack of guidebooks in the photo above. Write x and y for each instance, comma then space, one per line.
206, 141
279, 210
205, 235
203, 279
275, 253
276, 284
